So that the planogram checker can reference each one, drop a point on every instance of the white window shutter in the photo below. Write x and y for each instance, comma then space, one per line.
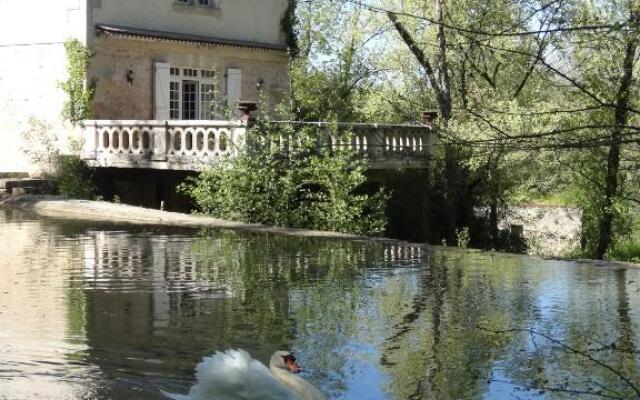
234, 87
161, 91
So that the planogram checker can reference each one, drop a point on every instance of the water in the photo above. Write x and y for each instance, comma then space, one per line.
118, 312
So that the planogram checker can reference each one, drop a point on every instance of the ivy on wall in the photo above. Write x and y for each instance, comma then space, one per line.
78, 105
288, 27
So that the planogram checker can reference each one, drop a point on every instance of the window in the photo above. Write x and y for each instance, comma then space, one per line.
207, 107
189, 99
190, 72
195, 5
174, 100
194, 94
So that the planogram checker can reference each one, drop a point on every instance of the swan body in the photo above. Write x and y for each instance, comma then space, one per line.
234, 375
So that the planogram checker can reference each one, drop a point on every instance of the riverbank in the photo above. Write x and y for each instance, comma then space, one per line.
102, 211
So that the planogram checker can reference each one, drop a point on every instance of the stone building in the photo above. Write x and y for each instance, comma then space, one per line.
153, 60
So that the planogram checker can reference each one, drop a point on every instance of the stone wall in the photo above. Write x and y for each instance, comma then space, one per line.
116, 98
548, 231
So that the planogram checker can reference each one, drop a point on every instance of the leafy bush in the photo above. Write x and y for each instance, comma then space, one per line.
74, 178
290, 176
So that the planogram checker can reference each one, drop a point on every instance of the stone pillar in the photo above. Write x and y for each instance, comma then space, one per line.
376, 142
89, 137
159, 142
238, 139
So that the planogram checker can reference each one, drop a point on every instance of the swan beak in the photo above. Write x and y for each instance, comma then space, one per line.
293, 366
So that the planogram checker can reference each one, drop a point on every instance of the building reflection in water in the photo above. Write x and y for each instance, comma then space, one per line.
38, 353
158, 303
105, 314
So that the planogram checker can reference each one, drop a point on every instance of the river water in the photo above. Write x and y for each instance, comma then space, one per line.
118, 312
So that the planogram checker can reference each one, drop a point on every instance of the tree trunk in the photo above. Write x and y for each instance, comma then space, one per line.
621, 117
440, 81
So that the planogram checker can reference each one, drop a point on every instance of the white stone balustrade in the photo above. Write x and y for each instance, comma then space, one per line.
173, 145
193, 145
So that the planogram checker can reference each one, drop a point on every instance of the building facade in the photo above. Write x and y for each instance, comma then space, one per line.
152, 60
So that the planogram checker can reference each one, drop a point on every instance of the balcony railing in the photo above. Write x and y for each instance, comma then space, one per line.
194, 145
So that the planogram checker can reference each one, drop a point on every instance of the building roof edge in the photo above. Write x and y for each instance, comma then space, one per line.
182, 37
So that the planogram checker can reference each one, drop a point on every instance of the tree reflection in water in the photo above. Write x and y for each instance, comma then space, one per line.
370, 320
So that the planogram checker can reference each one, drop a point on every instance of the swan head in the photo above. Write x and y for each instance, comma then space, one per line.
284, 360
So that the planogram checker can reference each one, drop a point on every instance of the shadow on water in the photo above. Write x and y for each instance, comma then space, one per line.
118, 312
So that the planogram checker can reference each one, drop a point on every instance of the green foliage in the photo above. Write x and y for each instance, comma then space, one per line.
327, 94
626, 250
290, 177
522, 129
288, 27
78, 105
74, 178
627, 247
462, 237
589, 195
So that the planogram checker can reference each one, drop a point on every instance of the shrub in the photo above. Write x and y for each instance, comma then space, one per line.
291, 176
75, 178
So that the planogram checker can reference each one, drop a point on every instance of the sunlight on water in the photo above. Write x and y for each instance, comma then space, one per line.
115, 312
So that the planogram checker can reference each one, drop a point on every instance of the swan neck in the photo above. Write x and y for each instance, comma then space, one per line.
306, 390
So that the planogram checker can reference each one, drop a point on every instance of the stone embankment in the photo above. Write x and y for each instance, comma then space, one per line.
548, 231
541, 222
101, 211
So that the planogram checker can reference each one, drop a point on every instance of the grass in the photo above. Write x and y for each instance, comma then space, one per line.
559, 199
626, 251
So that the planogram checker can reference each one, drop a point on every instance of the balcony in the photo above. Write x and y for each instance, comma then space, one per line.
195, 145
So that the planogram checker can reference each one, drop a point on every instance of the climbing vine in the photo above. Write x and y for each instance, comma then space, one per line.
78, 105
288, 27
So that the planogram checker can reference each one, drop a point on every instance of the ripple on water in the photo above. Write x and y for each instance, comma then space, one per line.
119, 313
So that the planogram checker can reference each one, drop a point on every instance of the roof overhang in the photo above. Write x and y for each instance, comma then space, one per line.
121, 31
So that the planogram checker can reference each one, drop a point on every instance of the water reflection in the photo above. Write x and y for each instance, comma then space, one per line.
114, 312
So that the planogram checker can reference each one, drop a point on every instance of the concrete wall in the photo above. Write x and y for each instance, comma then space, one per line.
251, 20
115, 98
32, 62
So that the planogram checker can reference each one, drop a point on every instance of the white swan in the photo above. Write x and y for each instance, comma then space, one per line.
234, 375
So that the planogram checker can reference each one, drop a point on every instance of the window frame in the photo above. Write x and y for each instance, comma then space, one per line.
195, 5
204, 78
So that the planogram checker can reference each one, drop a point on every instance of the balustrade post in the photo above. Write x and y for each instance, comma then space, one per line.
183, 141
237, 140
430, 143
90, 141
375, 142
159, 142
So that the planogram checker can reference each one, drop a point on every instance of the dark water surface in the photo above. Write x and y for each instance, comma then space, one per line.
118, 312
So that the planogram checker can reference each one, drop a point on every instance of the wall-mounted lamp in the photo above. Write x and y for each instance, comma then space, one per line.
130, 76
260, 84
